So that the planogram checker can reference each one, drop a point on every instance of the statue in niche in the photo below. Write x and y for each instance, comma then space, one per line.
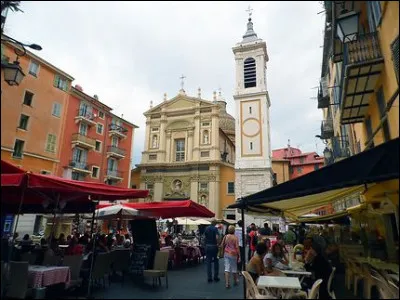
205, 137
155, 141
203, 200
177, 190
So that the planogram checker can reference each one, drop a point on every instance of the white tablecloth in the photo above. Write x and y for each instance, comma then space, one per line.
278, 282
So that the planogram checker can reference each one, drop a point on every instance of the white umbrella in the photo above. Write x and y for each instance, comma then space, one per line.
117, 211
203, 222
186, 221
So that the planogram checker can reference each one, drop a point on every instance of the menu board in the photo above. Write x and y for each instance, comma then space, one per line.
140, 259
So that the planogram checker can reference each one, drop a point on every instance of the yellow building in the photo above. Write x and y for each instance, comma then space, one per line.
359, 90
189, 152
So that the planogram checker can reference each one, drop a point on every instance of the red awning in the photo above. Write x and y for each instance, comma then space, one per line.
7, 168
41, 191
170, 209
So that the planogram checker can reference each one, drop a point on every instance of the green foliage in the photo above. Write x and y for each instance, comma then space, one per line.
13, 5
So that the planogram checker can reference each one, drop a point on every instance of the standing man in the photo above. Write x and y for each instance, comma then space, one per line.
238, 234
211, 240
253, 240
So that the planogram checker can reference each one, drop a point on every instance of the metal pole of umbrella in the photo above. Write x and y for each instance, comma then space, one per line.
54, 219
93, 249
243, 254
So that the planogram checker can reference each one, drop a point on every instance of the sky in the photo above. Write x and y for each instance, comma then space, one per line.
131, 53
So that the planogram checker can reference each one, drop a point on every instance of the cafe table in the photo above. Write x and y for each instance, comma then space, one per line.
297, 273
284, 284
42, 276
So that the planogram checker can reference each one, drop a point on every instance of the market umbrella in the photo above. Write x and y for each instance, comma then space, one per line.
117, 211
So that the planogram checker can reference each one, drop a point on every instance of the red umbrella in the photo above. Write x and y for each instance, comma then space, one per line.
169, 209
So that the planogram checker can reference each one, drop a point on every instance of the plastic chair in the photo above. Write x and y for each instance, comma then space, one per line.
252, 291
358, 275
330, 280
369, 282
160, 267
18, 280
314, 292
74, 262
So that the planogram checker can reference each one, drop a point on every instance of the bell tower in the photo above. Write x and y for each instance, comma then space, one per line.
253, 145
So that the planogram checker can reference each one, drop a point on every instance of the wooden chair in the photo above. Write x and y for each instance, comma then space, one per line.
314, 292
160, 267
17, 287
252, 291
330, 280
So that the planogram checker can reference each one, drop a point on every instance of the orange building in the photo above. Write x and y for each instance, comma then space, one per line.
97, 144
33, 113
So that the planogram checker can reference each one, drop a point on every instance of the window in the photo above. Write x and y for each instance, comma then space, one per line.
368, 126
76, 176
45, 172
299, 170
79, 156
316, 167
99, 128
374, 12
56, 109
152, 156
301, 160
23, 122
114, 141
250, 79
98, 146
250, 110
395, 56
101, 115
380, 99
18, 148
134, 186
231, 187
83, 128
180, 150
149, 186
28, 98
51, 143
154, 129
60, 83
251, 145
34, 68
206, 124
203, 186
95, 172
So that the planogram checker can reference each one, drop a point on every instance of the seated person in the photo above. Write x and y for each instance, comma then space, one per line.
316, 263
74, 248
276, 258
255, 267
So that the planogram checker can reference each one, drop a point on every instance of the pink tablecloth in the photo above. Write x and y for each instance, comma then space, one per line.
41, 276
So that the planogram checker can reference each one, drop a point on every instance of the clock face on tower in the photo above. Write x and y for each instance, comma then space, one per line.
251, 127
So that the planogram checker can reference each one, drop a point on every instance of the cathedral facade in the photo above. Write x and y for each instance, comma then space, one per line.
189, 152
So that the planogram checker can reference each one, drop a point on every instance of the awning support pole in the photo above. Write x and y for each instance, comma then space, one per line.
243, 254
93, 249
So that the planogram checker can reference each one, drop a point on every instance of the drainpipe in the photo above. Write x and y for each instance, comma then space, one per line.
130, 161
105, 130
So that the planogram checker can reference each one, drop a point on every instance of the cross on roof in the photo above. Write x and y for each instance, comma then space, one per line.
182, 82
250, 11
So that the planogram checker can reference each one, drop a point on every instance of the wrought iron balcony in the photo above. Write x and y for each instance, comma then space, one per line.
117, 130
114, 175
85, 116
327, 129
340, 147
83, 141
116, 152
80, 166
362, 66
323, 101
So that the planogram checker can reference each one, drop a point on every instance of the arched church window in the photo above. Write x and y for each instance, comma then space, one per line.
250, 79
206, 137
154, 143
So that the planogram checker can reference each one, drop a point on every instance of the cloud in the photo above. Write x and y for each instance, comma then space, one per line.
129, 53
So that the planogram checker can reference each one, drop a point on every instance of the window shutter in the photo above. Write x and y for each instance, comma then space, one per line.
65, 87
56, 80
395, 56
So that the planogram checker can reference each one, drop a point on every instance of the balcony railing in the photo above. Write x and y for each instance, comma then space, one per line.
81, 165
82, 139
341, 147
114, 173
118, 128
365, 48
85, 114
116, 150
323, 102
327, 129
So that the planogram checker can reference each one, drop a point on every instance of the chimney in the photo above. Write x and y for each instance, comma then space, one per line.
96, 97
78, 87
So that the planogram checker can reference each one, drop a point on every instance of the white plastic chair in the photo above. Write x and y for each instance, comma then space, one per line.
314, 293
330, 280
252, 291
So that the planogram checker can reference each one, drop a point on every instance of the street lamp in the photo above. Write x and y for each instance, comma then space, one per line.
347, 26
13, 73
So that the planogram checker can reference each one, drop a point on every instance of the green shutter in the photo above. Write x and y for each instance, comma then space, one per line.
66, 86
56, 80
